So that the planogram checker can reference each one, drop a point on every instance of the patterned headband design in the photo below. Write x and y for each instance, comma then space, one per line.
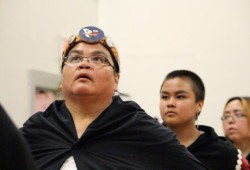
92, 35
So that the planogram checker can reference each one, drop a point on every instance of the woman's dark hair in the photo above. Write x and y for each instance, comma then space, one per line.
197, 83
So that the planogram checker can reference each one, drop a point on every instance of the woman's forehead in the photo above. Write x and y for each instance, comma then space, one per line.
234, 104
88, 49
179, 81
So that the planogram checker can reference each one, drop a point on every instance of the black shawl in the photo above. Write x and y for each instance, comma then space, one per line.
122, 137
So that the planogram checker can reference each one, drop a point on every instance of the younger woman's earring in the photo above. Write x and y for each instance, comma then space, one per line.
196, 121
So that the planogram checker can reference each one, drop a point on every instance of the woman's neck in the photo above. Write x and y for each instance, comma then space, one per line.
244, 146
85, 106
84, 112
186, 135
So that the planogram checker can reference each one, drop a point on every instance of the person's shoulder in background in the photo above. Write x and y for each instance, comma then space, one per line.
15, 153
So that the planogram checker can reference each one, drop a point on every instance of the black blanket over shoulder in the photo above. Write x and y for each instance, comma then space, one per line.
122, 137
14, 151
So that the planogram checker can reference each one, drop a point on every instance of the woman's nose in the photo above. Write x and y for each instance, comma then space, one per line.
84, 63
231, 119
171, 102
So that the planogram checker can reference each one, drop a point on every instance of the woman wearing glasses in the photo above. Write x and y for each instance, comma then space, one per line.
182, 95
236, 123
94, 129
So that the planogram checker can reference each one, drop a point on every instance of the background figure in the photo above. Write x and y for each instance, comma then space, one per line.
236, 123
94, 129
182, 95
14, 152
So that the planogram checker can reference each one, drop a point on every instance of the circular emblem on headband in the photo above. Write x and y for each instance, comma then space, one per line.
91, 34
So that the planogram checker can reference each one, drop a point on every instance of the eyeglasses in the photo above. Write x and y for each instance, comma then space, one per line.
235, 116
96, 60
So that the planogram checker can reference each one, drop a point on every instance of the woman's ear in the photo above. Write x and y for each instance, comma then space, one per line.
199, 106
116, 77
60, 86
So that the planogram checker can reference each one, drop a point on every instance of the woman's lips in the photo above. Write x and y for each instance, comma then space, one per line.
84, 76
171, 113
231, 130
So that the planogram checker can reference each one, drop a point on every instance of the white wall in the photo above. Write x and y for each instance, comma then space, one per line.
211, 38
31, 34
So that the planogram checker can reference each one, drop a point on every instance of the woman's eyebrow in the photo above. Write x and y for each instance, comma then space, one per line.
233, 111
75, 51
164, 92
181, 92
99, 52
176, 93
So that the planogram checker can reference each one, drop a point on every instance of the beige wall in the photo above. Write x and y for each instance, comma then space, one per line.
154, 37
210, 37
31, 34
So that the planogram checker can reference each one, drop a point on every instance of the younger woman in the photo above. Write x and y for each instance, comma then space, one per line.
182, 96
